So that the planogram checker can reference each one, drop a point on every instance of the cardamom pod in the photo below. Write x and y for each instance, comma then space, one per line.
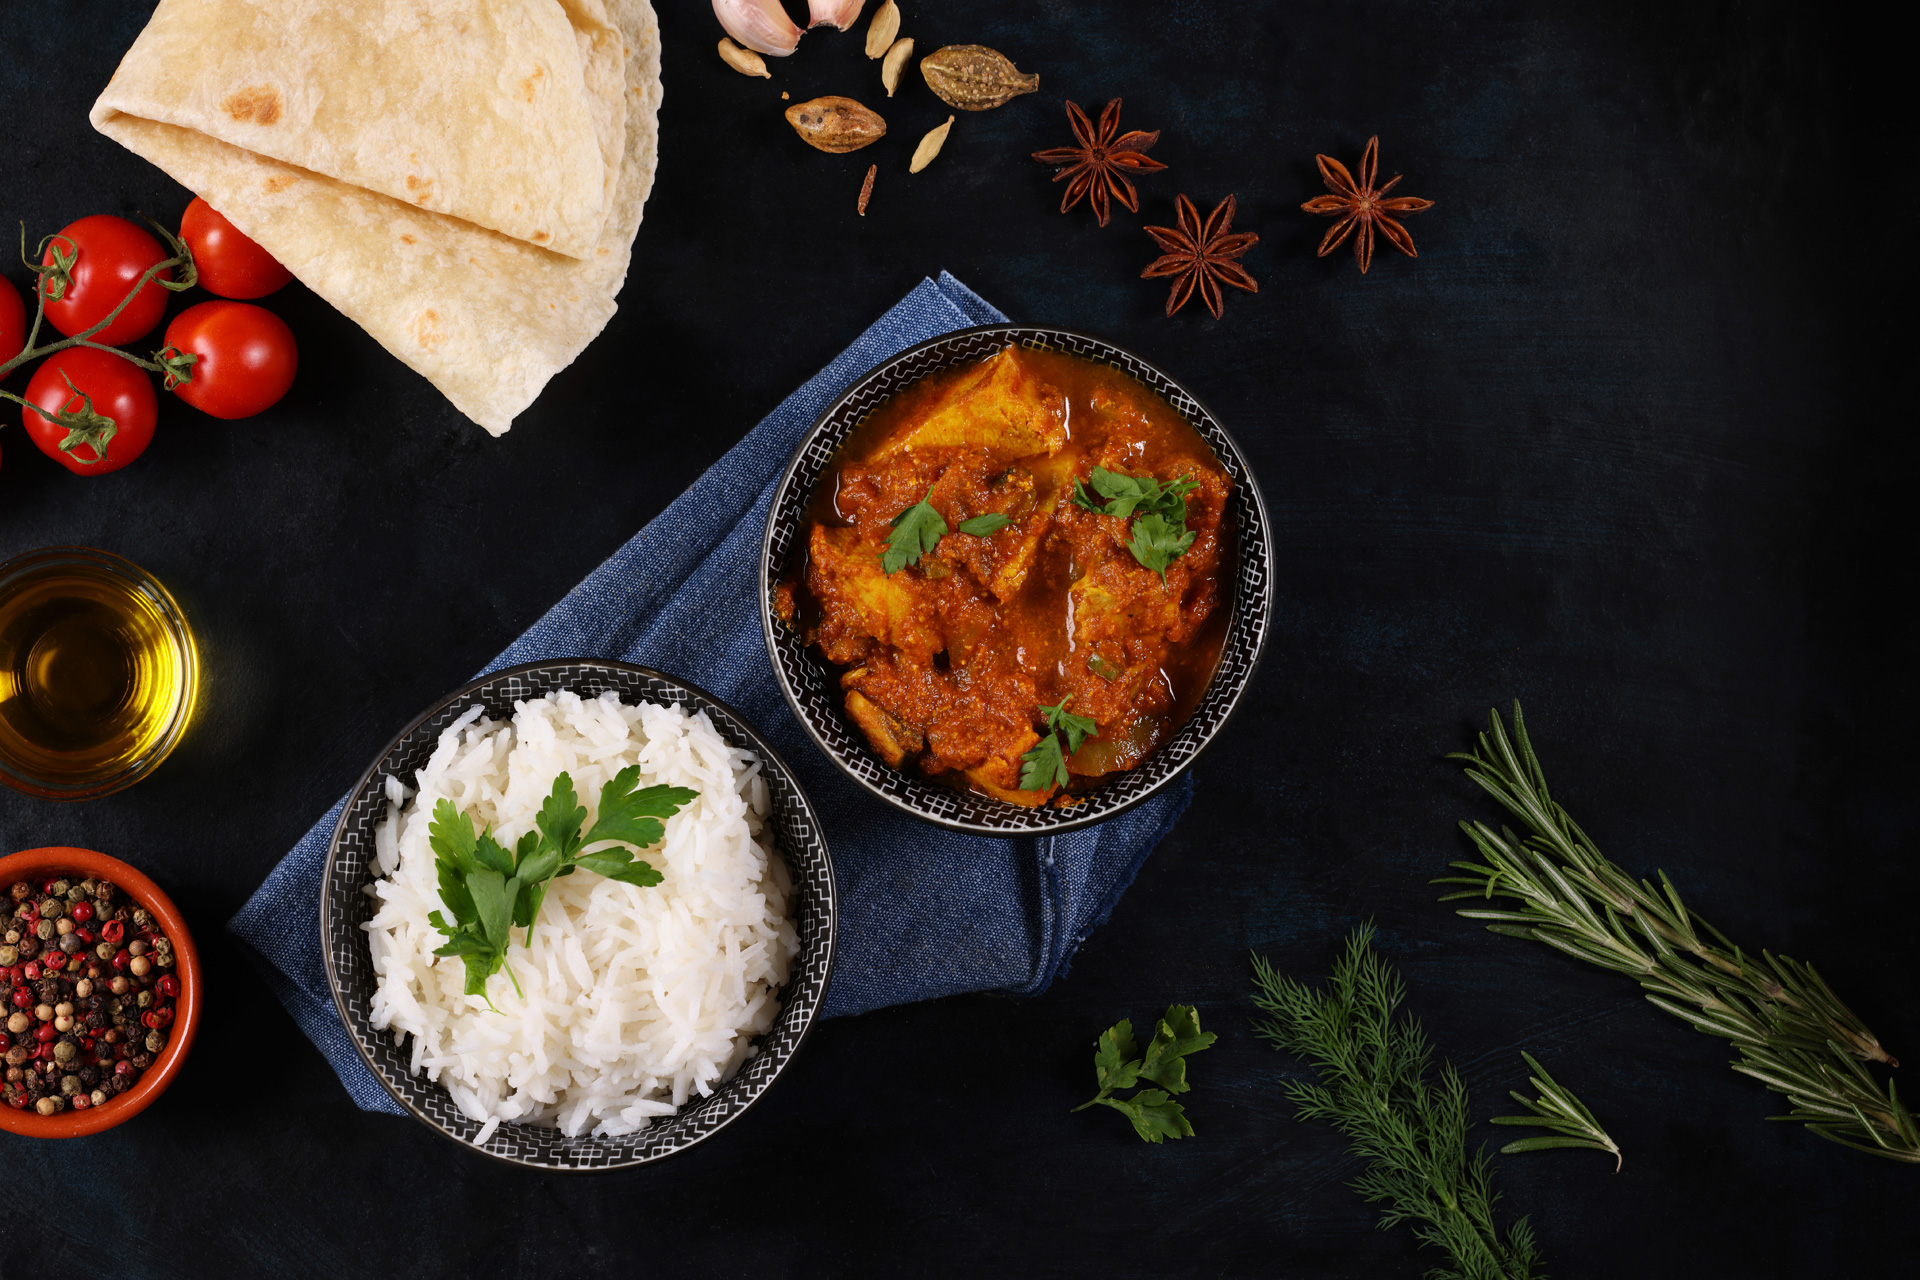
896, 63
930, 146
745, 61
884, 27
835, 124
973, 77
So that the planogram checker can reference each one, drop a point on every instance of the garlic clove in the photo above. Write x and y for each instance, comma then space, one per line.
761, 25
838, 14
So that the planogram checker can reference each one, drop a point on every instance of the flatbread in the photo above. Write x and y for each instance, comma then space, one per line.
486, 316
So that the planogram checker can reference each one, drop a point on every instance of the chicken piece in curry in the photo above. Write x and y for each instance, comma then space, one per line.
1033, 533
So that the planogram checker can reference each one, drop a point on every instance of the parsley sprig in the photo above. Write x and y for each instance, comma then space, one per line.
1118, 1064
1160, 533
919, 528
1046, 765
490, 888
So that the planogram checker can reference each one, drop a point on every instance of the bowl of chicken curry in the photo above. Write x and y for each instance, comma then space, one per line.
1015, 579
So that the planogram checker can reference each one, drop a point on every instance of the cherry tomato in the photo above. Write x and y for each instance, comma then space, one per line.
247, 357
230, 264
119, 389
13, 321
112, 256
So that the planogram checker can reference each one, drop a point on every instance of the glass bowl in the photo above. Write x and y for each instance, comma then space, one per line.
148, 703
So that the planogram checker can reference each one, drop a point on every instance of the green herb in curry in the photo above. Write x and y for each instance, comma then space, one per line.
1046, 765
1160, 533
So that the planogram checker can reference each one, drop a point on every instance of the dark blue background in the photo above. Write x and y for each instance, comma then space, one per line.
1625, 441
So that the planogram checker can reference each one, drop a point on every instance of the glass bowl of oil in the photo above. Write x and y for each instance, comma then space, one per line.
98, 673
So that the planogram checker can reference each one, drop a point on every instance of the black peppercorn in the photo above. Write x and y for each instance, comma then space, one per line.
140, 1060
90, 1076
70, 943
30, 947
21, 891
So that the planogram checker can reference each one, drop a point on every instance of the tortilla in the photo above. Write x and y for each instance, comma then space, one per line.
485, 315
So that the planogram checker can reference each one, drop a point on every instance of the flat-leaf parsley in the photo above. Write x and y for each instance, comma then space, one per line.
1160, 532
1154, 1114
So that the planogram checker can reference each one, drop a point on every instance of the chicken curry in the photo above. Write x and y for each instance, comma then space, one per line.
1016, 564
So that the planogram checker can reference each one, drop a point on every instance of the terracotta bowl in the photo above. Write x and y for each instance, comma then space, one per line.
39, 864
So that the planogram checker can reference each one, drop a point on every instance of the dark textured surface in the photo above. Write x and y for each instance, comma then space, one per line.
1625, 442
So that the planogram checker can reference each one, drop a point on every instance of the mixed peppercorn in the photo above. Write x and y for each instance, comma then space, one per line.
91, 993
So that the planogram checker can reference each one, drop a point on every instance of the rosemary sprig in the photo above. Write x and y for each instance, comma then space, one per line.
1559, 1111
1793, 1033
1373, 1088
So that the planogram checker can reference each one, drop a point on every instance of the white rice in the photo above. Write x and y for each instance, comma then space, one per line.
635, 999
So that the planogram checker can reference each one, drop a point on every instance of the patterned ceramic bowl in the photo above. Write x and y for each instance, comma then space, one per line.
344, 908
812, 688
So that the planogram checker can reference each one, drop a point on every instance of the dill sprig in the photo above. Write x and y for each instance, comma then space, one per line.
1793, 1033
1557, 1110
1373, 1088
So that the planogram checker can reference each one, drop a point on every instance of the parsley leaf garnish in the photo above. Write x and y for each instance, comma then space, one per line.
1046, 765
1160, 532
1154, 1114
1157, 541
916, 531
489, 888
986, 525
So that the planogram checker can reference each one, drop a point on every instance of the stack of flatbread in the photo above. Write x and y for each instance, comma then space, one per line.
462, 179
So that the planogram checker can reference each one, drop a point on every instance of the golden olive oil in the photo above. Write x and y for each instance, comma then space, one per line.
97, 673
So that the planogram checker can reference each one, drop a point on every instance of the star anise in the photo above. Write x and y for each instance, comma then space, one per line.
1201, 257
1364, 207
1096, 167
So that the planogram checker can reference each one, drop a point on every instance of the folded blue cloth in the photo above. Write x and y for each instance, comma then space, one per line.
923, 912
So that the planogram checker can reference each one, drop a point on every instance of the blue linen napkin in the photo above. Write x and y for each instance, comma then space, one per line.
923, 912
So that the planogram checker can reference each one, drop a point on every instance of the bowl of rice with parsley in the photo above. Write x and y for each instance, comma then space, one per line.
579, 915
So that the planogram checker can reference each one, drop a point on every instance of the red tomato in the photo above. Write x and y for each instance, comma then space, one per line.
230, 264
112, 256
119, 389
247, 357
13, 321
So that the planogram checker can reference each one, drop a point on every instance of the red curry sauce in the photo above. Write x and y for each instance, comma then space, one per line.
948, 662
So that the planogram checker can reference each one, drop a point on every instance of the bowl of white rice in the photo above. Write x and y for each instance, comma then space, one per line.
627, 1021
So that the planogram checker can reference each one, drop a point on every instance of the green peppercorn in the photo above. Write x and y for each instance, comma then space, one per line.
60, 888
144, 1000
9, 955
155, 1042
104, 950
141, 920
52, 908
70, 1085
44, 930
65, 1051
